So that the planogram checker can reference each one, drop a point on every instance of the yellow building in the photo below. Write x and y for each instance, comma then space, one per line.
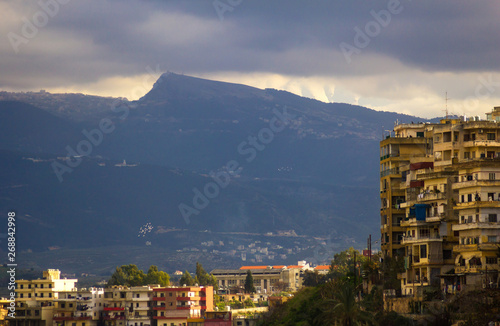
440, 192
35, 298
4, 311
406, 143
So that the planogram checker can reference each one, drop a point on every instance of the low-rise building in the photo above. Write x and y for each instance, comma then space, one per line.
267, 279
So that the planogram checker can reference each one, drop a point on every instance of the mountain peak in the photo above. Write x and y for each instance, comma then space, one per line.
171, 86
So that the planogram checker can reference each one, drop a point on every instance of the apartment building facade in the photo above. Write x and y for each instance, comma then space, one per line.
52, 301
174, 305
267, 279
78, 307
440, 197
35, 298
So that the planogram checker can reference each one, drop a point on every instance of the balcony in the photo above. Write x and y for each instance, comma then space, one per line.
475, 225
431, 196
420, 239
159, 298
478, 204
61, 318
113, 308
433, 219
476, 247
119, 317
393, 171
476, 183
188, 298
412, 222
188, 306
465, 269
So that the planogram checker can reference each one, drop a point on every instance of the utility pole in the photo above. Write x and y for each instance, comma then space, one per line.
355, 272
370, 248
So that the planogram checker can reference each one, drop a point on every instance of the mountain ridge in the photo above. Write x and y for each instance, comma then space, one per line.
318, 176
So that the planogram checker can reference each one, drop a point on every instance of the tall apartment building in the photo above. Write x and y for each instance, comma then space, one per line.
174, 305
440, 196
124, 306
35, 298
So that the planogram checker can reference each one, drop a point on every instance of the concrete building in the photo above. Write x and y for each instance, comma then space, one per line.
267, 279
174, 305
35, 298
78, 307
440, 200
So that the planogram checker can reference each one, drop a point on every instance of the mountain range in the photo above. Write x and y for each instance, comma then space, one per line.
192, 161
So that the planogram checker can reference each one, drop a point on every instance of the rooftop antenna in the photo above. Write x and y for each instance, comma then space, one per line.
446, 107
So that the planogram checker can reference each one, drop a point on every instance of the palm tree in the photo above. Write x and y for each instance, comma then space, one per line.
346, 309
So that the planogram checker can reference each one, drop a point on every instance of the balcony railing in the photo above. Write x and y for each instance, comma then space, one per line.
389, 172
422, 239
476, 247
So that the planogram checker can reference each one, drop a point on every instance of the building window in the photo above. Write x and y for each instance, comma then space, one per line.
491, 176
491, 136
492, 238
492, 218
423, 251
491, 260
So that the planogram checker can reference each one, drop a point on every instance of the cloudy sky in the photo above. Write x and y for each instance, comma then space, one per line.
391, 55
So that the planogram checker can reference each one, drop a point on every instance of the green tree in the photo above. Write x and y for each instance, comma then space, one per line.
313, 278
187, 279
203, 278
344, 308
131, 275
128, 275
249, 287
155, 276
201, 275
390, 269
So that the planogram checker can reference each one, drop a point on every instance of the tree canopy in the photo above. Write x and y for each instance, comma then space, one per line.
249, 287
131, 275
187, 279
203, 278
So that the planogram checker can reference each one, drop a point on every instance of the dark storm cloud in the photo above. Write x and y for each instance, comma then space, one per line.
109, 38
